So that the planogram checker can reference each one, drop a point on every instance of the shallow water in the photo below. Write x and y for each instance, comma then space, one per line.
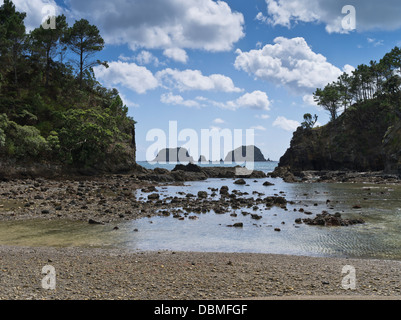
379, 238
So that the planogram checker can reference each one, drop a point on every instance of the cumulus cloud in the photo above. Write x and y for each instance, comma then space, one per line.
256, 100
145, 57
286, 124
195, 80
159, 24
290, 63
371, 14
176, 54
128, 75
169, 98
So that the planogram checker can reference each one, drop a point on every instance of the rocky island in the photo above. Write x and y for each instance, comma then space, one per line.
245, 154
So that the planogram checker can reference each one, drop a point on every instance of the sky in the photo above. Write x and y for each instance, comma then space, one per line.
227, 65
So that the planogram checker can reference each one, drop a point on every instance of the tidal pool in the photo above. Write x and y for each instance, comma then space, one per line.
379, 238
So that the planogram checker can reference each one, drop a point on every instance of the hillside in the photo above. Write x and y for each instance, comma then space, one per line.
54, 115
366, 137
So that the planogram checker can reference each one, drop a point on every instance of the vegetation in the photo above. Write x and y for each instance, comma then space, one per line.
309, 121
52, 110
378, 80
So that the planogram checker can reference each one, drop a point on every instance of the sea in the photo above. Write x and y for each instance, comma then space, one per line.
378, 238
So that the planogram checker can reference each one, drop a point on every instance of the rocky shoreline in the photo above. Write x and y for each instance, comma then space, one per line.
118, 274
334, 176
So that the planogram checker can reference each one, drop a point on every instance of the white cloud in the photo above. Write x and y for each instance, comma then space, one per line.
195, 80
371, 14
36, 11
309, 100
146, 57
290, 63
128, 75
128, 102
176, 54
286, 124
160, 24
218, 121
255, 100
259, 128
169, 98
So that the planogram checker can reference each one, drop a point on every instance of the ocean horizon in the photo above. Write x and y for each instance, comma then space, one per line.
266, 166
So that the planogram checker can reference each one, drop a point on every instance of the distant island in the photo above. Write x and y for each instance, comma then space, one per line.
239, 155
246, 154
174, 155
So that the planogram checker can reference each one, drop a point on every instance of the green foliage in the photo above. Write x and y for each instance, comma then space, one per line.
46, 113
21, 141
309, 121
84, 40
367, 82
88, 136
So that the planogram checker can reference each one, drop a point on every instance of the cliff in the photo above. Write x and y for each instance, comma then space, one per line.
366, 138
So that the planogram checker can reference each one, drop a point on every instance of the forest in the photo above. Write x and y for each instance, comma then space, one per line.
377, 81
52, 109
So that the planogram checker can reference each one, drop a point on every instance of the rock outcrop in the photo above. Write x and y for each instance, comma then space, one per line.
173, 155
363, 139
245, 154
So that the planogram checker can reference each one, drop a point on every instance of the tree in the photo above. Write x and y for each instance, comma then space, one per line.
329, 99
309, 121
46, 42
84, 40
12, 37
344, 88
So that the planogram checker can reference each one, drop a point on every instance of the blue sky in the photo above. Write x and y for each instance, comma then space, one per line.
229, 65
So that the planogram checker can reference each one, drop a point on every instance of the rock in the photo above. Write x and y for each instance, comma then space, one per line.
154, 196
188, 168
174, 155
238, 225
202, 194
93, 222
149, 189
240, 182
268, 184
245, 153
329, 220
224, 190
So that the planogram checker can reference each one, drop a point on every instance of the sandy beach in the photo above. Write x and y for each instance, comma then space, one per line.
97, 274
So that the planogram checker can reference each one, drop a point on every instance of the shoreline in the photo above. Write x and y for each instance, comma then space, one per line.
110, 274
119, 274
